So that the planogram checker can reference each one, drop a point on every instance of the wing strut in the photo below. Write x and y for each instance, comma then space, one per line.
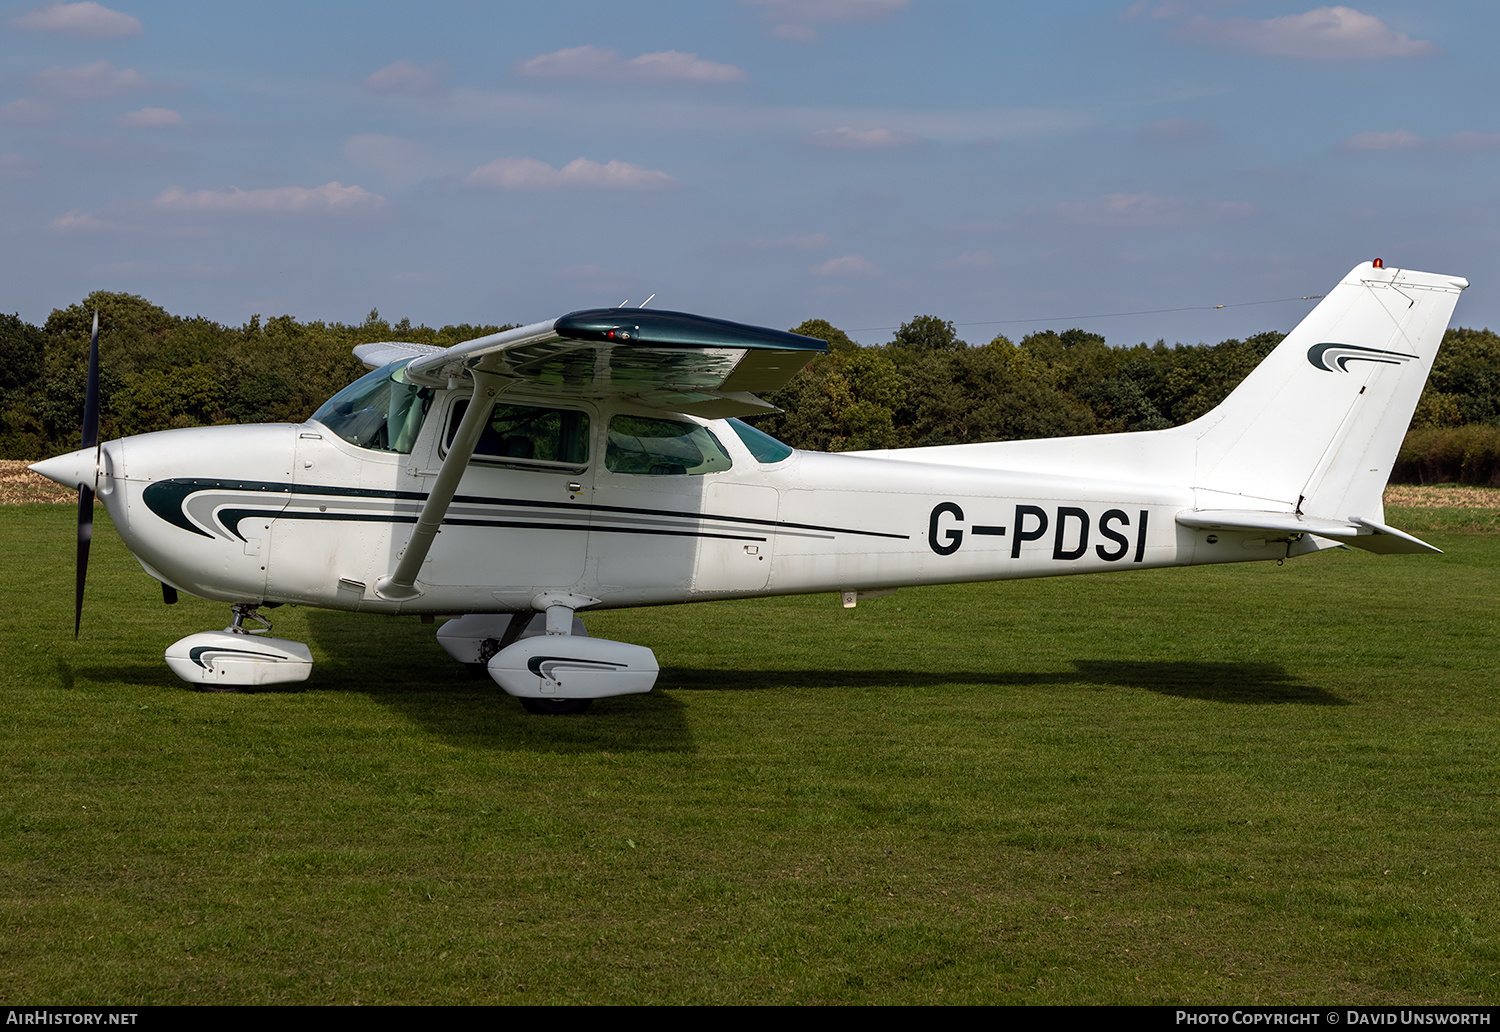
401, 586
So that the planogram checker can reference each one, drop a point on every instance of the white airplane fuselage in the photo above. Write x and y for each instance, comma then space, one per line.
293, 513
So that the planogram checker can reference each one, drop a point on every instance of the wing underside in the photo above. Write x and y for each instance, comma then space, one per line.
667, 360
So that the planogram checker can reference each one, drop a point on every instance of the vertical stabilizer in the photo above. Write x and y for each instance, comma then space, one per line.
1315, 427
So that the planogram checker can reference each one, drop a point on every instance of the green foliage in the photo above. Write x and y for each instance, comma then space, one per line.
1449, 455
159, 371
926, 387
22, 358
928, 333
824, 330
1464, 387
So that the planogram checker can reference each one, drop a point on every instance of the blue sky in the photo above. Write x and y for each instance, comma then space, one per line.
1005, 166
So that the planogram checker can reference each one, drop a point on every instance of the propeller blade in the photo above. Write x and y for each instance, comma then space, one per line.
91, 393
86, 491
85, 538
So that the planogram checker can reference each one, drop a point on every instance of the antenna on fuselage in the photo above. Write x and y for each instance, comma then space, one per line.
646, 302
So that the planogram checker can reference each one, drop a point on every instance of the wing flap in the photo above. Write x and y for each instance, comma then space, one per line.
1370, 535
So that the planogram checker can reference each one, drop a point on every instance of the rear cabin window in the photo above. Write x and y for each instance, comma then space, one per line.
522, 435
762, 445
662, 447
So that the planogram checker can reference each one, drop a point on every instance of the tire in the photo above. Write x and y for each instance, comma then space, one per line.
556, 707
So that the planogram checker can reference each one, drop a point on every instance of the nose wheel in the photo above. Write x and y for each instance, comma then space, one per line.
238, 657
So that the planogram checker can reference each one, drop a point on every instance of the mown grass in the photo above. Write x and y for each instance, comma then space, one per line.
1238, 784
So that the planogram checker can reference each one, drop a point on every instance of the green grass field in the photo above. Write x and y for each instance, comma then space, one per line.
1237, 784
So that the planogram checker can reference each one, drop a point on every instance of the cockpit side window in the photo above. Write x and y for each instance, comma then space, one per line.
662, 447
382, 411
522, 435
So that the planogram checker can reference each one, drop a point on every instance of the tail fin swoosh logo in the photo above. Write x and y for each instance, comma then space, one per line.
1335, 358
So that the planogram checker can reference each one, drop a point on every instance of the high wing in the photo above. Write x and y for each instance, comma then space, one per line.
669, 360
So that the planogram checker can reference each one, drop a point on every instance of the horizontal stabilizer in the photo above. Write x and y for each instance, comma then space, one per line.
1356, 531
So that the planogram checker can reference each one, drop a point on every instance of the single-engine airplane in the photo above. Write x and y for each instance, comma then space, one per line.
594, 461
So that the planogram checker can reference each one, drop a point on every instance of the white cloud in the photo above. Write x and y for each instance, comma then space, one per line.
845, 138
848, 265
589, 62
1144, 210
82, 19
1398, 139
792, 242
794, 19
150, 118
90, 81
78, 220
330, 197
1335, 33
26, 111
579, 174
404, 77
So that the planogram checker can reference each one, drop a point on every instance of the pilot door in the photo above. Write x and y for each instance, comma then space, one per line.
519, 522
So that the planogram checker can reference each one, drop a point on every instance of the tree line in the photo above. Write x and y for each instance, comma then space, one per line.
925, 386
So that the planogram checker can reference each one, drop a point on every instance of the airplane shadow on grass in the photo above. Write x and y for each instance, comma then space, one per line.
403, 669
1238, 683
410, 653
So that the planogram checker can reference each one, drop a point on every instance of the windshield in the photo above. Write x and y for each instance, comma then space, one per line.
382, 410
